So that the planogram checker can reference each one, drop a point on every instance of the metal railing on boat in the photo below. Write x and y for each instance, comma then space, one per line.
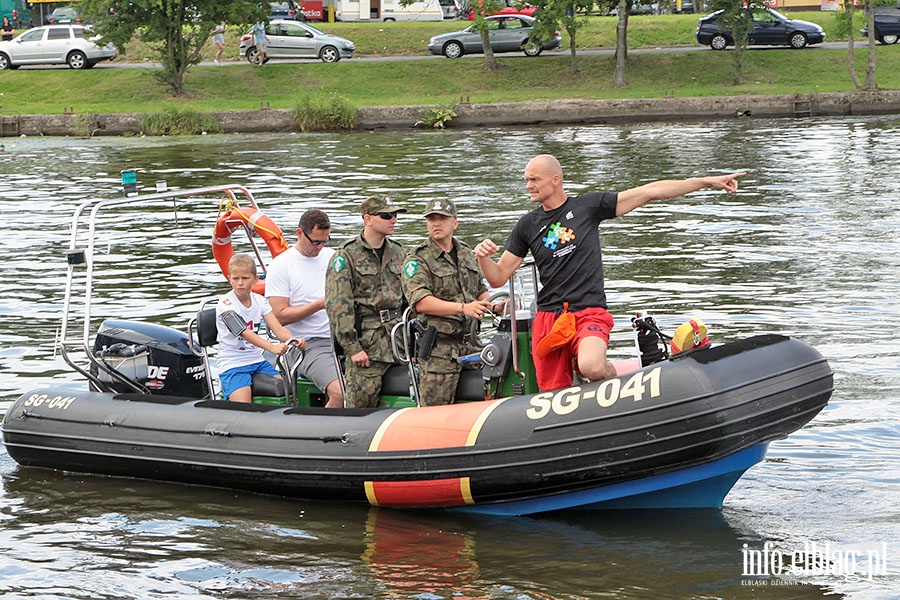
86, 217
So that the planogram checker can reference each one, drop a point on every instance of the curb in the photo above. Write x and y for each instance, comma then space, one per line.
555, 112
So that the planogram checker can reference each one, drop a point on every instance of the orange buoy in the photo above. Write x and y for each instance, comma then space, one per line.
259, 223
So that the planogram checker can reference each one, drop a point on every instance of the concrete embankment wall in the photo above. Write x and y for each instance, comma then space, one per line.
492, 115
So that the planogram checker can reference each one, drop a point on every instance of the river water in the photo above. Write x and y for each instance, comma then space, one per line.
807, 248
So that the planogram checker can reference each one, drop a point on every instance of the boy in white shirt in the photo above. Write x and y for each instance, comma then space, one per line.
238, 315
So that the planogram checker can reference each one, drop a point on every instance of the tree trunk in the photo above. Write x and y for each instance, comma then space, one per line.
490, 61
870, 65
572, 52
851, 57
738, 64
621, 44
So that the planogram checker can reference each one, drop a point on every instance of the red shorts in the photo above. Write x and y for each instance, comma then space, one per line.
555, 371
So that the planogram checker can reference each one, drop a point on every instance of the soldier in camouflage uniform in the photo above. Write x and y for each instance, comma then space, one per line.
364, 300
443, 283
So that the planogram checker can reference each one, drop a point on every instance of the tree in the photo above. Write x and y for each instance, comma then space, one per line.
870, 24
176, 29
481, 9
570, 15
846, 25
622, 10
484, 8
736, 17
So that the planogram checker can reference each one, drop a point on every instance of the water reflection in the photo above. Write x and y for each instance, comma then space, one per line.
226, 545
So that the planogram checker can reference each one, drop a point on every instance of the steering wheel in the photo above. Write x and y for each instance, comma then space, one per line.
483, 331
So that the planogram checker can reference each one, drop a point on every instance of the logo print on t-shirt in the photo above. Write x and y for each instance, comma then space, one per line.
557, 235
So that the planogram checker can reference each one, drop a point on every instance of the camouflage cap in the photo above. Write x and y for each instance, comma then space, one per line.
440, 207
379, 204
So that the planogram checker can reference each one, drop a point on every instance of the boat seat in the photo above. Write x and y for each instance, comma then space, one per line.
207, 333
395, 381
469, 388
267, 385
471, 384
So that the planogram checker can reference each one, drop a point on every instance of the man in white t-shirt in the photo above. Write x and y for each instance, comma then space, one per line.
295, 288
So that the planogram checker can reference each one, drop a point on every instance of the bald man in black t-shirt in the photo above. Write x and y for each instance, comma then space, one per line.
562, 237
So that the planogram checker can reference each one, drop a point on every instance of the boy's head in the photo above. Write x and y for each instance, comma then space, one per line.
242, 264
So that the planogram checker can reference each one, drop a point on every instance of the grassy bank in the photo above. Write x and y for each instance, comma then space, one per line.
443, 81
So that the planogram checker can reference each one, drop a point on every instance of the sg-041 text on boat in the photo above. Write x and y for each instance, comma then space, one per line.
563, 402
60, 402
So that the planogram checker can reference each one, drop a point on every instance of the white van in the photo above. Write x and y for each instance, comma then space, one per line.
451, 8
387, 10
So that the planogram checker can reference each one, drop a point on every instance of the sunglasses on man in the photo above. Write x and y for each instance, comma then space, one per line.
387, 216
316, 242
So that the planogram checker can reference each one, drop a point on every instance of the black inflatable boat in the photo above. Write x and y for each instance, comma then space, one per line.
674, 433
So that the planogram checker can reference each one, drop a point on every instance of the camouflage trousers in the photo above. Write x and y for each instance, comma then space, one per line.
363, 384
437, 381
439, 375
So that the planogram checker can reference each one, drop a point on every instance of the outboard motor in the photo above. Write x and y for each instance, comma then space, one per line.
156, 357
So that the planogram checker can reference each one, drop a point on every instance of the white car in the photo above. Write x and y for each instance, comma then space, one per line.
54, 45
294, 39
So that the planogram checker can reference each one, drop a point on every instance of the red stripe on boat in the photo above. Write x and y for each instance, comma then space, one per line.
429, 492
432, 427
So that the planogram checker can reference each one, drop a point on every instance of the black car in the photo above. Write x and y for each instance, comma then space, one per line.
887, 25
770, 28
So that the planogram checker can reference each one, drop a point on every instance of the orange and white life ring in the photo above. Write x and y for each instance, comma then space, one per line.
230, 221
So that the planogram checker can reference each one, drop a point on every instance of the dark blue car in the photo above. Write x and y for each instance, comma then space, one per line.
887, 25
770, 28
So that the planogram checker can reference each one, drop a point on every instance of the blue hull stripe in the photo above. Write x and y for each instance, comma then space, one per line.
704, 486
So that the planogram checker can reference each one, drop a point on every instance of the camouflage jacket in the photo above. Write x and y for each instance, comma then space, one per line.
429, 271
357, 287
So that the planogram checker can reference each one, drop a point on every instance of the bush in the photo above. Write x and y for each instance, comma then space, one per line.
325, 111
174, 122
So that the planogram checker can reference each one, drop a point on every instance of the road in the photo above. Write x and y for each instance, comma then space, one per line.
561, 52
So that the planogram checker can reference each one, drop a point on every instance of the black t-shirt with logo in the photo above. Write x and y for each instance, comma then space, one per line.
566, 248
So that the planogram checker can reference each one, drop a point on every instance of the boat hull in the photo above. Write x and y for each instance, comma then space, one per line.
678, 433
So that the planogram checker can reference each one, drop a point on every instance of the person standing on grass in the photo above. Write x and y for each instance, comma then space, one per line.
261, 41
219, 42
8, 30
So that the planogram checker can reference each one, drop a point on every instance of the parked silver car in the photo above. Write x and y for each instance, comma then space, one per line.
54, 45
507, 33
293, 39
